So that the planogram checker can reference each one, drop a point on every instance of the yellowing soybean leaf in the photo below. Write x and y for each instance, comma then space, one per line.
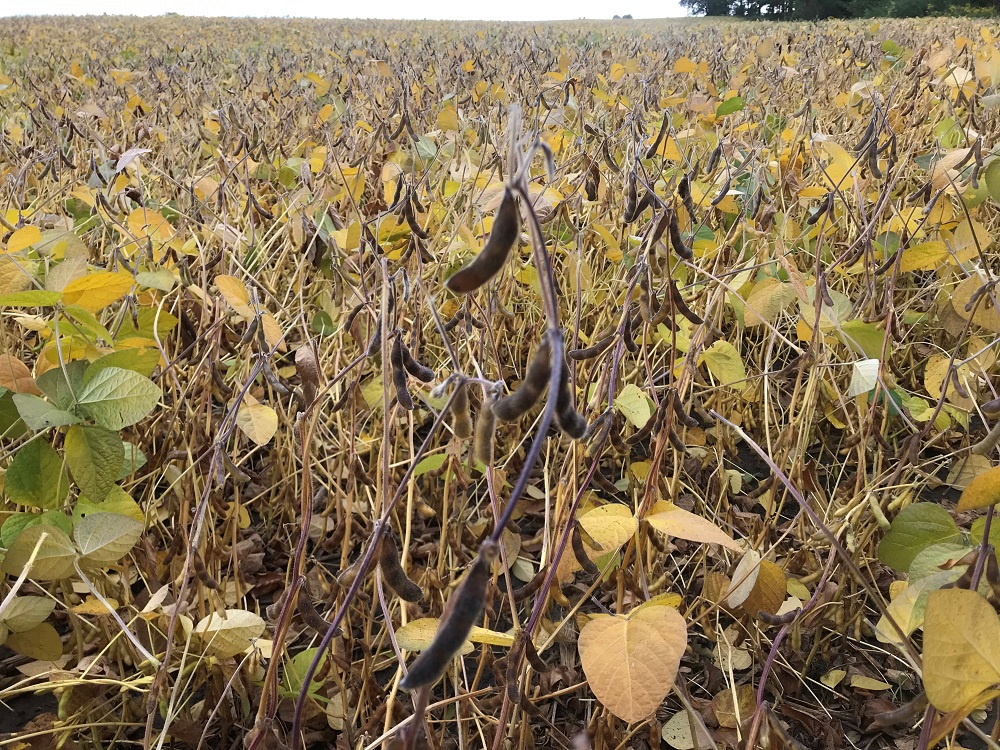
235, 293
25, 612
961, 658
673, 521
982, 492
105, 538
42, 642
97, 290
725, 363
833, 678
94, 458
23, 237
230, 636
861, 682
924, 257
417, 635
611, 526
768, 591
258, 422
631, 662
632, 403
766, 301
55, 553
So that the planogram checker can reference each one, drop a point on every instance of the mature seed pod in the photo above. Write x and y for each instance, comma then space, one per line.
360, 473
495, 252
534, 659
723, 192
411, 221
873, 161
651, 151
202, 572
464, 608
631, 197
570, 421
608, 159
399, 375
417, 370
392, 571
523, 592
679, 303
462, 420
866, 137
580, 553
398, 193
512, 407
713, 159
680, 412
676, 241
598, 347
486, 423
233, 470
309, 614
684, 191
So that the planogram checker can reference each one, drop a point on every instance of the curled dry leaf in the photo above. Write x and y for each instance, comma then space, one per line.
674, 521
230, 635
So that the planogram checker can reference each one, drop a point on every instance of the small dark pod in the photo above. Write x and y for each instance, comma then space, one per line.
570, 421
495, 252
399, 375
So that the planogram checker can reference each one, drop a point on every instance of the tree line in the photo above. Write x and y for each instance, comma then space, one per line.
817, 9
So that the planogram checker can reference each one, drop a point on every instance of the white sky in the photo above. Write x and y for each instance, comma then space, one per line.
503, 10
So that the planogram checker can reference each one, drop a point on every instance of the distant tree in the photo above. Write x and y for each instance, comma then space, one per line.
708, 7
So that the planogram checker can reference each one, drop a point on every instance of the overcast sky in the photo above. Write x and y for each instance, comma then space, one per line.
504, 10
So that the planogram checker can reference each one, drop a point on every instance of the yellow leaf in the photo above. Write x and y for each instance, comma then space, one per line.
744, 578
610, 526
325, 112
258, 422
961, 659
235, 293
684, 65
832, 678
725, 363
861, 682
93, 606
632, 403
98, 290
631, 662
673, 521
768, 590
982, 492
232, 635
417, 635
766, 300
22, 238
924, 257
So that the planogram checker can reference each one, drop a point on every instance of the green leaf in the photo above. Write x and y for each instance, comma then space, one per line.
11, 424
118, 501
916, 528
105, 538
55, 555
62, 385
725, 363
36, 477
39, 414
25, 612
930, 559
85, 321
295, 672
30, 298
992, 179
869, 338
18, 522
94, 457
142, 361
733, 104
116, 398
160, 279
135, 459
431, 463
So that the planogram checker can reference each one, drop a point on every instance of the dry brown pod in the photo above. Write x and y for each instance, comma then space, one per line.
512, 407
495, 252
482, 444
464, 608
461, 417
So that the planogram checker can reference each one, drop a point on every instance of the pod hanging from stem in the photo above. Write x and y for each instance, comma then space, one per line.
495, 252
